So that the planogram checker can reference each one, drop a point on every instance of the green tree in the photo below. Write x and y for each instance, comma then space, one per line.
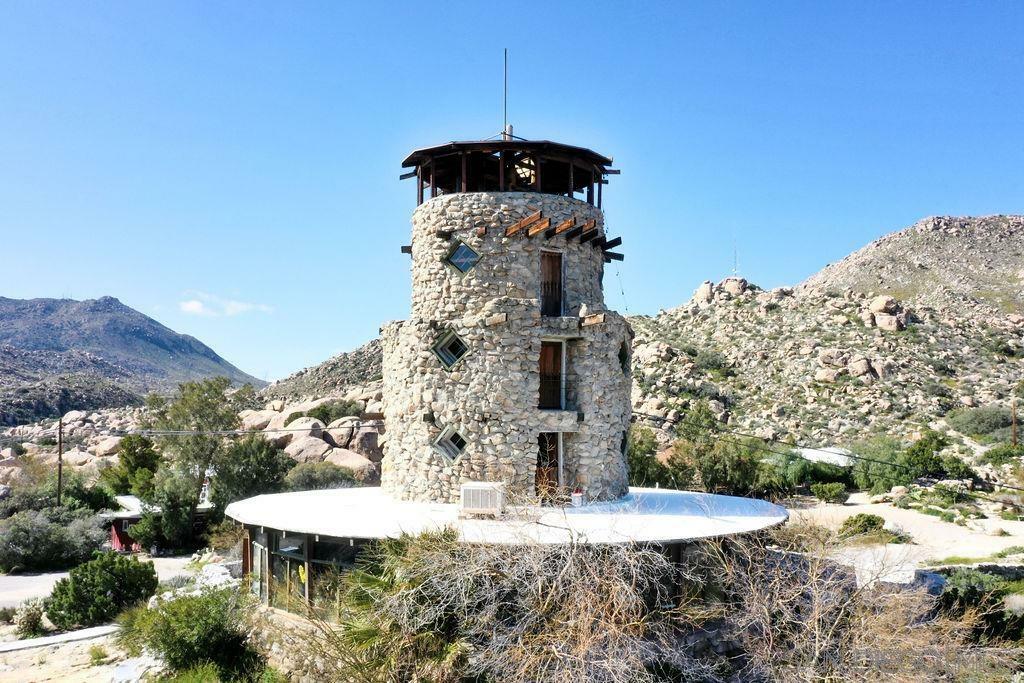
644, 467
248, 468
199, 411
175, 495
137, 463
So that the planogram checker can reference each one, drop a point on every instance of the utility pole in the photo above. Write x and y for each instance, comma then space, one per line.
1013, 421
60, 457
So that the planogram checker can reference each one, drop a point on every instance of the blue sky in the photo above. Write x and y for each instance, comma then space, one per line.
232, 168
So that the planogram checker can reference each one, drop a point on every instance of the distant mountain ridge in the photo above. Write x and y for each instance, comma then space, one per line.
62, 354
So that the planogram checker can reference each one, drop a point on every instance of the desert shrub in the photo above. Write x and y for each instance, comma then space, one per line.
875, 471
248, 468
833, 492
921, 458
955, 468
318, 475
225, 537
28, 619
860, 524
797, 471
334, 410
98, 655
1003, 454
18, 449
205, 629
969, 590
49, 539
97, 591
979, 422
7, 615
75, 494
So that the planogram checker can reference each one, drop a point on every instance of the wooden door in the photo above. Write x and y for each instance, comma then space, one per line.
550, 375
551, 283
547, 465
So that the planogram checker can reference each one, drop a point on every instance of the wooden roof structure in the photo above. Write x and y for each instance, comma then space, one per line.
508, 165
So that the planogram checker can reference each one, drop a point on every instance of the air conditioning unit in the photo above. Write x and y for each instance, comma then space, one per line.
483, 498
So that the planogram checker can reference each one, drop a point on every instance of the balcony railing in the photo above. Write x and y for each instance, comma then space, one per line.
557, 392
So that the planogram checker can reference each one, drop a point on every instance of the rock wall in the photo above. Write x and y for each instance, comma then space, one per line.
491, 395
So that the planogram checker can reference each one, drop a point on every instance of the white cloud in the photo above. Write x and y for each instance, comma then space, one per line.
213, 306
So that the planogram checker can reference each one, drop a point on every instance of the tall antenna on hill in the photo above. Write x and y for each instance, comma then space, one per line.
506, 134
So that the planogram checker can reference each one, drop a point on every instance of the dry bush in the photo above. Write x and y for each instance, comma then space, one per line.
799, 616
433, 609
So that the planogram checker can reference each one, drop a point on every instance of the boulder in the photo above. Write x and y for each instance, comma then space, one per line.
833, 358
705, 294
107, 446
365, 442
859, 366
307, 449
75, 416
339, 432
889, 323
868, 318
77, 458
883, 304
828, 374
362, 469
257, 419
277, 405
296, 429
734, 285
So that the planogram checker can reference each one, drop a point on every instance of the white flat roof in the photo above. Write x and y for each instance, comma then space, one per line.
644, 515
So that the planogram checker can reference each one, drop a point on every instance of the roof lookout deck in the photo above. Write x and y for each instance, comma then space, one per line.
508, 165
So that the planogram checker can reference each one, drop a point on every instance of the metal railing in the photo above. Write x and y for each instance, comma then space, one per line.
557, 392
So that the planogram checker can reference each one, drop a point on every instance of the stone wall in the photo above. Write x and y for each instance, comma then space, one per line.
491, 395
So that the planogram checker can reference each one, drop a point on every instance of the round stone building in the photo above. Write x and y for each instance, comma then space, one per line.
510, 368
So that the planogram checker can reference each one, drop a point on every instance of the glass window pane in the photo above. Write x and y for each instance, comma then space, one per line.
463, 258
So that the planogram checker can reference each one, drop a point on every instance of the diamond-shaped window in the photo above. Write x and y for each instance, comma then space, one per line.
450, 349
450, 443
463, 258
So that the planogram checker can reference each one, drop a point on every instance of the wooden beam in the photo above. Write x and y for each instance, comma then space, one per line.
588, 235
465, 181
611, 244
612, 171
593, 319
561, 227
519, 225
589, 225
406, 248
612, 256
501, 171
572, 232
410, 174
600, 184
538, 227
433, 185
572, 182
419, 185
599, 242
590, 189
536, 160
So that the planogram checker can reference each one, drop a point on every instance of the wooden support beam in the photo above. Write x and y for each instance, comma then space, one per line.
536, 161
588, 235
561, 227
410, 174
519, 225
538, 227
406, 248
419, 185
501, 171
611, 244
612, 171
433, 184
572, 232
594, 319
612, 256
465, 181
599, 242
572, 182
589, 225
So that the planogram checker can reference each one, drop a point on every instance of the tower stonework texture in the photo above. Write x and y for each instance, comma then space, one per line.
509, 368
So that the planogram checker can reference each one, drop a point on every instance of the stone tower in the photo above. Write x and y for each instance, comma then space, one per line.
509, 367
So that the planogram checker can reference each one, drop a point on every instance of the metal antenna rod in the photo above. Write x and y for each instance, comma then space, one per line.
504, 125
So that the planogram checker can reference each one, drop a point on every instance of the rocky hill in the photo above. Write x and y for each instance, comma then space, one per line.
890, 339
59, 354
334, 377
941, 262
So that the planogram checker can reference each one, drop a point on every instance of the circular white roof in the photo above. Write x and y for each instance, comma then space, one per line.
644, 515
